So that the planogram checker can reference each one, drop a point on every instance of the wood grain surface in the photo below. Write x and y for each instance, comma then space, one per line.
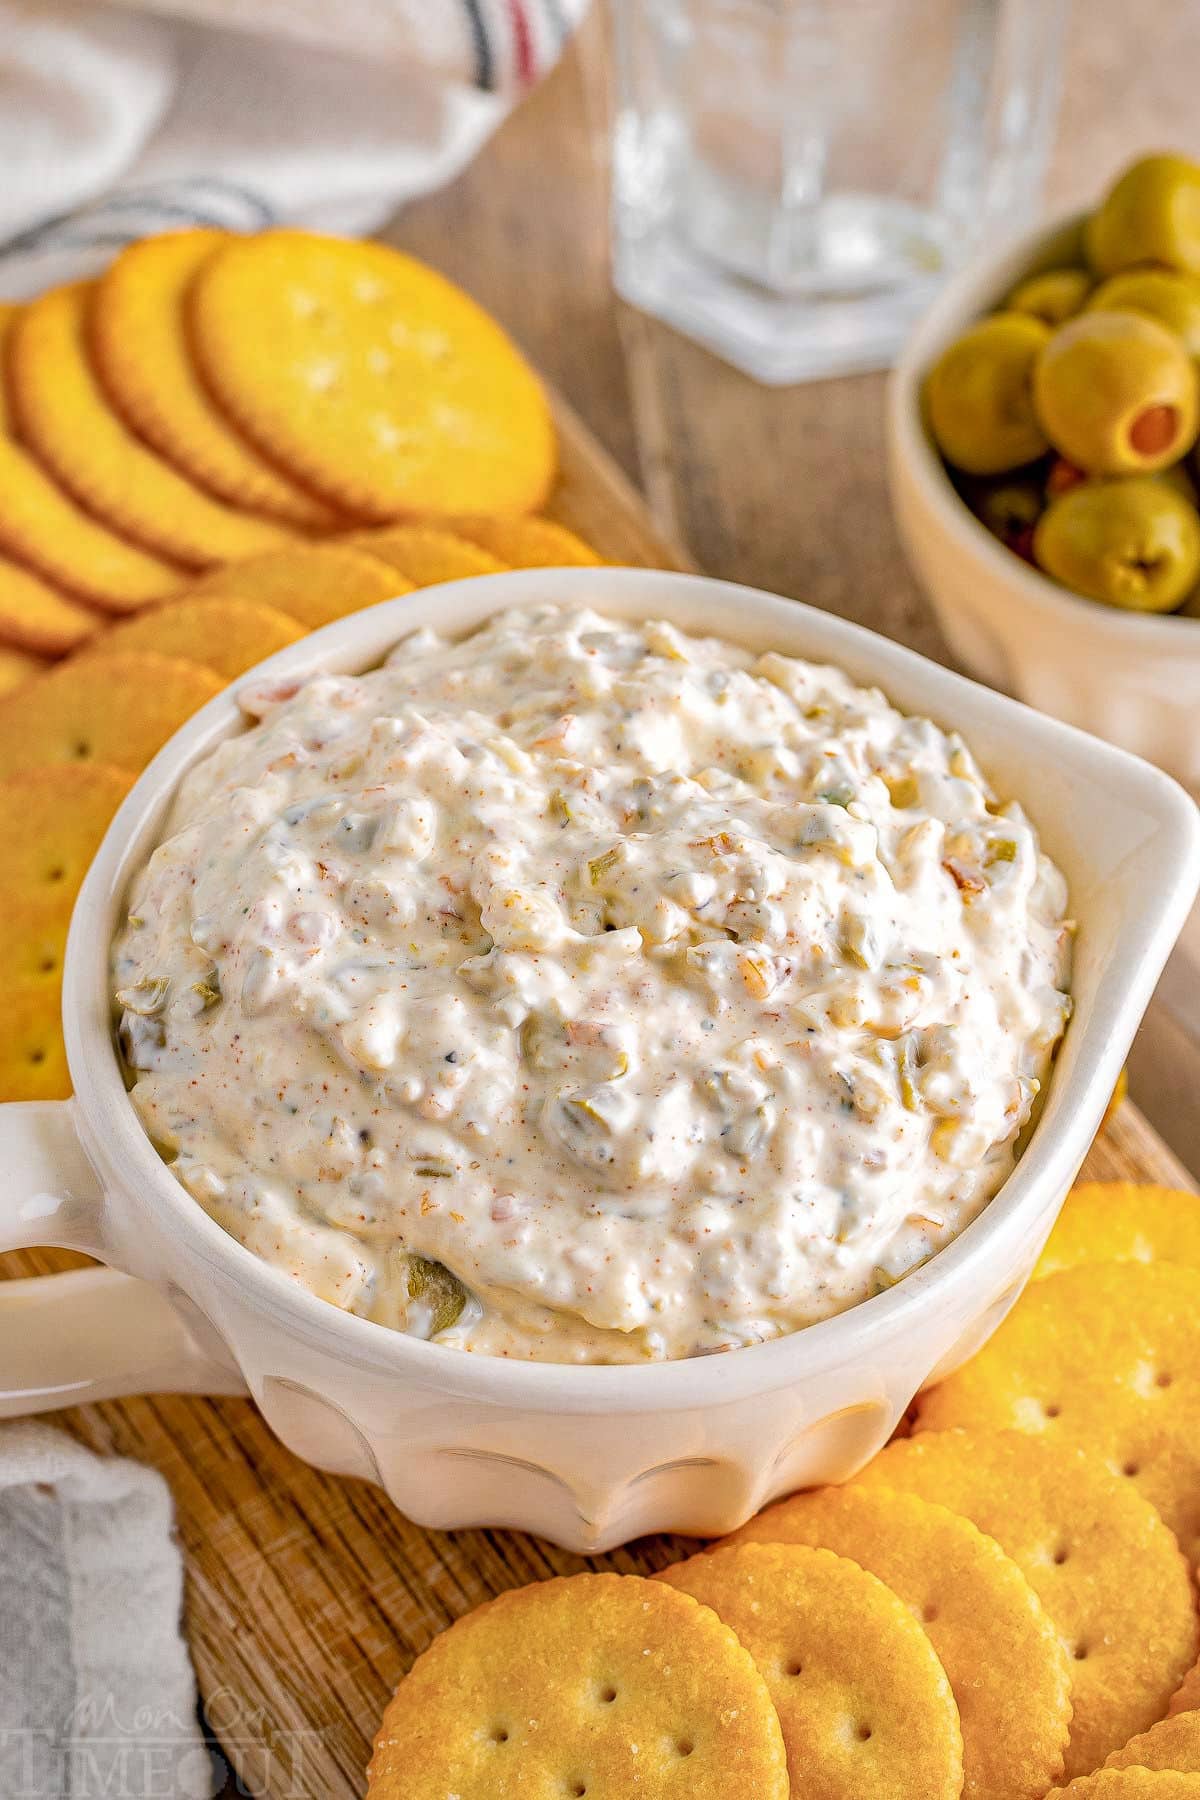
308, 1595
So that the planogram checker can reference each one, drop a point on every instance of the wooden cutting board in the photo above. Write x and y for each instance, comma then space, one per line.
309, 1596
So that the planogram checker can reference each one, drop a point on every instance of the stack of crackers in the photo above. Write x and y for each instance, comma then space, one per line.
1001, 1605
219, 445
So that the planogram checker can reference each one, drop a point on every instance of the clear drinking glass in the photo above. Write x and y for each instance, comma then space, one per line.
793, 178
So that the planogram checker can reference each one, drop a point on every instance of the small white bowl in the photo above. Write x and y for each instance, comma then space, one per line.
588, 1456
1133, 678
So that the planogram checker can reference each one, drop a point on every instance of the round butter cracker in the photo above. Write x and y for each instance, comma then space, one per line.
42, 528
370, 378
35, 941
65, 418
1104, 1357
588, 1684
225, 635
864, 1703
1132, 1784
1173, 1743
8, 312
116, 707
52, 819
425, 555
1009, 1672
312, 583
17, 667
35, 616
138, 335
527, 543
1123, 1221
1107, 1570
33, 1057
1186, 1697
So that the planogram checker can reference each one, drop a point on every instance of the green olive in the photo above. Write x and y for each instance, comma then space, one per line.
441, 1292
1133, 544
1179, 477
1150, 215
1054, 296
1174, 300
1116, 394
1183, 479
979, 398
1009, 507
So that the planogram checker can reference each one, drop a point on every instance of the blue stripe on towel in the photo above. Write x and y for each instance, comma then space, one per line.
485, 70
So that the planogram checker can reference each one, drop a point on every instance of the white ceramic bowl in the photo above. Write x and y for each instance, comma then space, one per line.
587, 1456
1134, 678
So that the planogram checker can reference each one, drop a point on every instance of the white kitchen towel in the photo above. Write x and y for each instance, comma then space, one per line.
97, 1695
136, 115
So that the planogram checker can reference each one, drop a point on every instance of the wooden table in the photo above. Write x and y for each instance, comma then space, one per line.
783, 489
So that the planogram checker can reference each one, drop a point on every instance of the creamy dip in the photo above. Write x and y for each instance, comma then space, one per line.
590, 992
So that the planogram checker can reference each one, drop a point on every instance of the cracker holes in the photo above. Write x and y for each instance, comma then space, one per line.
684, 1747
47, 965
608, 1694
498, 1734
1131, 1468
1163, 1379
57, 873
1052, 1409
793, 1668
929, 1614
1060, 1556
577, 1789
1080, 1653
36, 1057
864, 1734
81, 749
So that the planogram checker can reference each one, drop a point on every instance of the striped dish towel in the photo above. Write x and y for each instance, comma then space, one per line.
119, 119
97, 1695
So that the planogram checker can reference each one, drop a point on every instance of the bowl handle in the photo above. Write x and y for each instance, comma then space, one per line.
92, 1334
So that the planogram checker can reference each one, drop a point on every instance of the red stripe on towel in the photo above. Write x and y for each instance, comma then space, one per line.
523, 55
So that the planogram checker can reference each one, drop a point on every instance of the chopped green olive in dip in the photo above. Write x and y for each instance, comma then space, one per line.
589, 992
